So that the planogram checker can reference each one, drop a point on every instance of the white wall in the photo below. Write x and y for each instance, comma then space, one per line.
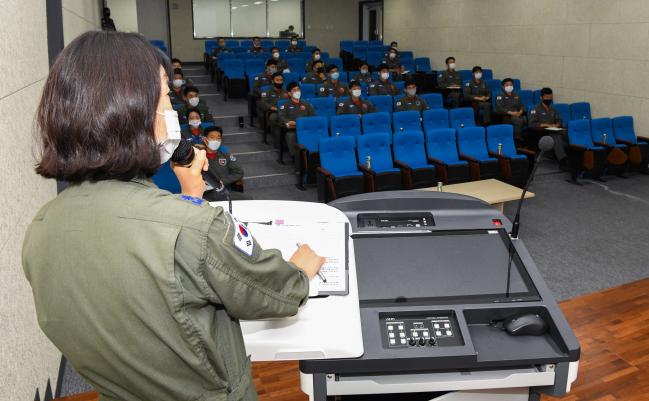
152, 19
28, 357
592, 50
124, 14
329, 22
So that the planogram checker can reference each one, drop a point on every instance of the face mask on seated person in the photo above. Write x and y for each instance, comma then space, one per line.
296, 95
393, 55
177, 83
411, 92
194, 123
451, 66
194, 101
385, 76
364, 71
214, 145
278, 86
275, 55
316, 57
509, 89
294, 42
547, 102
356, 92
334, 76
478, 75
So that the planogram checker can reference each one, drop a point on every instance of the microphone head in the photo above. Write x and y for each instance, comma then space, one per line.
546, 143
184, 153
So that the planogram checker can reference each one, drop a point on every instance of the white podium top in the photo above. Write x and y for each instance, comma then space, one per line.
325, 328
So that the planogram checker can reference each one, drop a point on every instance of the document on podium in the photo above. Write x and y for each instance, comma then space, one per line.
329, 240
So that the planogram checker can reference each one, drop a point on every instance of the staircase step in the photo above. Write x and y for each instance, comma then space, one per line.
269, 181
243, 136
252, 151
267, 173
283, 192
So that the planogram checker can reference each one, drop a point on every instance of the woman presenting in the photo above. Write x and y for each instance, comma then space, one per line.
142, 290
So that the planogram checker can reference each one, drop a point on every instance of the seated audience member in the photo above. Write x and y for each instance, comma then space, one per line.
265, 78
220, 48
355, 105
363, 74
543, 116
223, 167
393, 45
333, 87
267, 105
282, 65
192, 100
177, 87
317, 75
383, 86
394, 64
256, 46
450, 81
294, 48
478, 94
411, 101
194, 130
315, 56
509, 105
288, 115
177, 64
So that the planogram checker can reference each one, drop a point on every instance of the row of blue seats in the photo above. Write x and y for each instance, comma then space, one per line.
615, 132
255, 66
326, 106
247, 44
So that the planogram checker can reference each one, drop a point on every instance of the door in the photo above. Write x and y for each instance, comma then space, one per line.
371, 20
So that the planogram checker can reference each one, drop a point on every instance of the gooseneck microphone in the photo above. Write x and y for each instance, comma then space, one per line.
545, 143
184, 156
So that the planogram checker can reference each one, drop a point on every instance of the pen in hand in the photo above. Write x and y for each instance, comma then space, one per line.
322, 277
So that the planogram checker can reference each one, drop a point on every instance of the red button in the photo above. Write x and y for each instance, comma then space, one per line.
497, 222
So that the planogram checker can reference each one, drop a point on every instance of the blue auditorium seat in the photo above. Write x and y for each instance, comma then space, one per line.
580, 111
433, 100
472, 146
441, 145
514, 167
254, 67
381, 102
638, 146
338, 173
308, 91
291, 77
527, 98
376, 123
410, 157
582, 152
406, 121
295, 64
422, 64
324, 106
309, 130
380, 173
435, 118
345, 125
564, 111
461, 117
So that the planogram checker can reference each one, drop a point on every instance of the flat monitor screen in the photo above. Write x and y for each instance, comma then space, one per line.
444, 265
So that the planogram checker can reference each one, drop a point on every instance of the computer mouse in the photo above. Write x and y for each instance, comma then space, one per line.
525, 325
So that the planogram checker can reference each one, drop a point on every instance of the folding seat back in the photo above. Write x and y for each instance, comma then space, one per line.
324, 106
517, 84
471, 142
435, 118
433, 100
487, 74
501, 134
337, 62
291, 77
493, 84
401, 85
527, 98
296, 64
623, 129
345, 125
465, 74
406, 54
226, 56
536, 96
338, 155
580, 111
382, 102
374, 58
235, 43
408, 64
375, 123
601, 128
564, 111
309, 130
376, 43
462, 117
346, 45
579, 133
161, 43
409, 148
254, 67
422, 64
441, 144
377, 147
406, 121
308, 91
245, 43
365, 43
242, 50
360, 52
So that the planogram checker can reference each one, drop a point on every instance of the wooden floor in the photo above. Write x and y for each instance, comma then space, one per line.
612, 327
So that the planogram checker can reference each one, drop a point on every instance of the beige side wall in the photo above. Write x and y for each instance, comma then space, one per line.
592, 50
326, 23
28, 357
124, 14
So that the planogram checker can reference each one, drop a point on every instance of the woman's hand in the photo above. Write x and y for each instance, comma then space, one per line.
191, 178
307, 260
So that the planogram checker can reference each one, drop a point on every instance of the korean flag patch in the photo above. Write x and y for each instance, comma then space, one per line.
233, 158
242, 238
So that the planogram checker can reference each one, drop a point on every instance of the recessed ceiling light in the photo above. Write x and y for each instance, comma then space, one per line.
244, 5
258, 3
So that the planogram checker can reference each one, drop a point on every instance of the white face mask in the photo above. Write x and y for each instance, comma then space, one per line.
451, 66
272, 70
275, 55
316, 57
356, 92
177, 83
194, 123
167, 146
478, 75
213, 145
385, 76
509, 89
294, 42
193, 101
411, 92
364, 71
393, 55
296, 95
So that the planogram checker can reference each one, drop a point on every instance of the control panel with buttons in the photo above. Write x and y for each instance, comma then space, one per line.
432, 330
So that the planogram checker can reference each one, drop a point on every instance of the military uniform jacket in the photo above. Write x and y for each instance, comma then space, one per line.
474, 88
262, 79
448, 78
293, 50
290, 111
349, 107
218, 50
382, 88
335, 89
282, 65
177, 97
367, 78
415, 103
392, 63
256, 50
202, 108
312, 78
225, 167
505, 103
197, 139
272, 95
155, 285
540, 115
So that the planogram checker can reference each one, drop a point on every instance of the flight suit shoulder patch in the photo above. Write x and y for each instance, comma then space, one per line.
222, 162
233, 158
341, 104
499, 98
242, 237
282, 108
398, 103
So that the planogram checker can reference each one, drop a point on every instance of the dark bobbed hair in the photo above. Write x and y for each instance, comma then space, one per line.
476, 69
353, 84
112, 79
212, 128
506, 80
449, 59
190, 89
546, 91
192, 110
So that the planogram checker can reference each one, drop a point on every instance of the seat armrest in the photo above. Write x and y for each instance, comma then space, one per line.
526, 151
499, 157
643, 138
468, 158
324, 171
436, 161
366, 170
578, 147
623, 142
401, 165
602, 144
